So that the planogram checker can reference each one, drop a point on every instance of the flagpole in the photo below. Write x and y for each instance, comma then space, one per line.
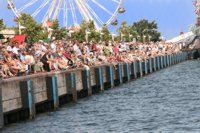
20, 32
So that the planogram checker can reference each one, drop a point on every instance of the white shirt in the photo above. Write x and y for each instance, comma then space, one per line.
53, 47
15, 50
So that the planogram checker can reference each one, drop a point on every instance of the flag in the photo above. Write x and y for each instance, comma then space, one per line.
18, 38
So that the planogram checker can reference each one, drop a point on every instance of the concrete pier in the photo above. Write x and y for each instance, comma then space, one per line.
86, 80
146, 66
141, 68
134, 70
71, 85
127, 72
52, 91
99, 78
27, 97
22, 97
119, 73
1, 109
150, 65
110, 76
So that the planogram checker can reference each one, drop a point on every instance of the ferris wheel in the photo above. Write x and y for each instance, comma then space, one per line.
69, 12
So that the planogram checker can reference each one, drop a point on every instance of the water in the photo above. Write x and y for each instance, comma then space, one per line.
166, 101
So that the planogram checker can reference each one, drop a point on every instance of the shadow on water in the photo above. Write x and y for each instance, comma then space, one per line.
166, 101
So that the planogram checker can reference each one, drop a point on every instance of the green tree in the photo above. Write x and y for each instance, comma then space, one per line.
79, 35
106, 33
58, 33
126, 32
149, 29
94, 34
86, 26
2, 25
33, 30
55, 25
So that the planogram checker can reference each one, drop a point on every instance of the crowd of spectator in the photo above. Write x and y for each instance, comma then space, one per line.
16, 60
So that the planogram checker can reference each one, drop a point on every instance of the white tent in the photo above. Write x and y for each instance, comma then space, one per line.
184, 38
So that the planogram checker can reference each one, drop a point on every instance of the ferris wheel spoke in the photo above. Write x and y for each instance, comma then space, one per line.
27, 5
83, 4
94, 14
114, 14
46, 17
52, 8
49, 12
116, 1
60, 9
57, 9
73, 12
81, 10
75, 17
69, 9
40, 8
14, 10
65, 13
102, 7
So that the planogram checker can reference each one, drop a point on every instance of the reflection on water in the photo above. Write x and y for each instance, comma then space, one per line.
166, 101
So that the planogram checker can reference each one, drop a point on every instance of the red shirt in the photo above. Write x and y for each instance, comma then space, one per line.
116, 49
119, 59
67, 55
94, 47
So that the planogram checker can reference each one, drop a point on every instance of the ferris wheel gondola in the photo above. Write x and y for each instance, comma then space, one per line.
114, 22
69, 12
121, 10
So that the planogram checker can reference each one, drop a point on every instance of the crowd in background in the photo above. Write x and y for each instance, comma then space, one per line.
16, 60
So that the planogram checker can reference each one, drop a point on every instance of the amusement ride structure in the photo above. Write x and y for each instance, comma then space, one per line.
69, 12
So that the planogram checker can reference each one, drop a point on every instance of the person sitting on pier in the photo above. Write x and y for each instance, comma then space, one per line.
62, 55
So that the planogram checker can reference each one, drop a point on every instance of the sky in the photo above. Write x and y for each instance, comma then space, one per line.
172, 16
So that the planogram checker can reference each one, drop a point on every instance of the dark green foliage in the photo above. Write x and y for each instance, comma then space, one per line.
2, 25
33, 30
144, 27
58, 33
